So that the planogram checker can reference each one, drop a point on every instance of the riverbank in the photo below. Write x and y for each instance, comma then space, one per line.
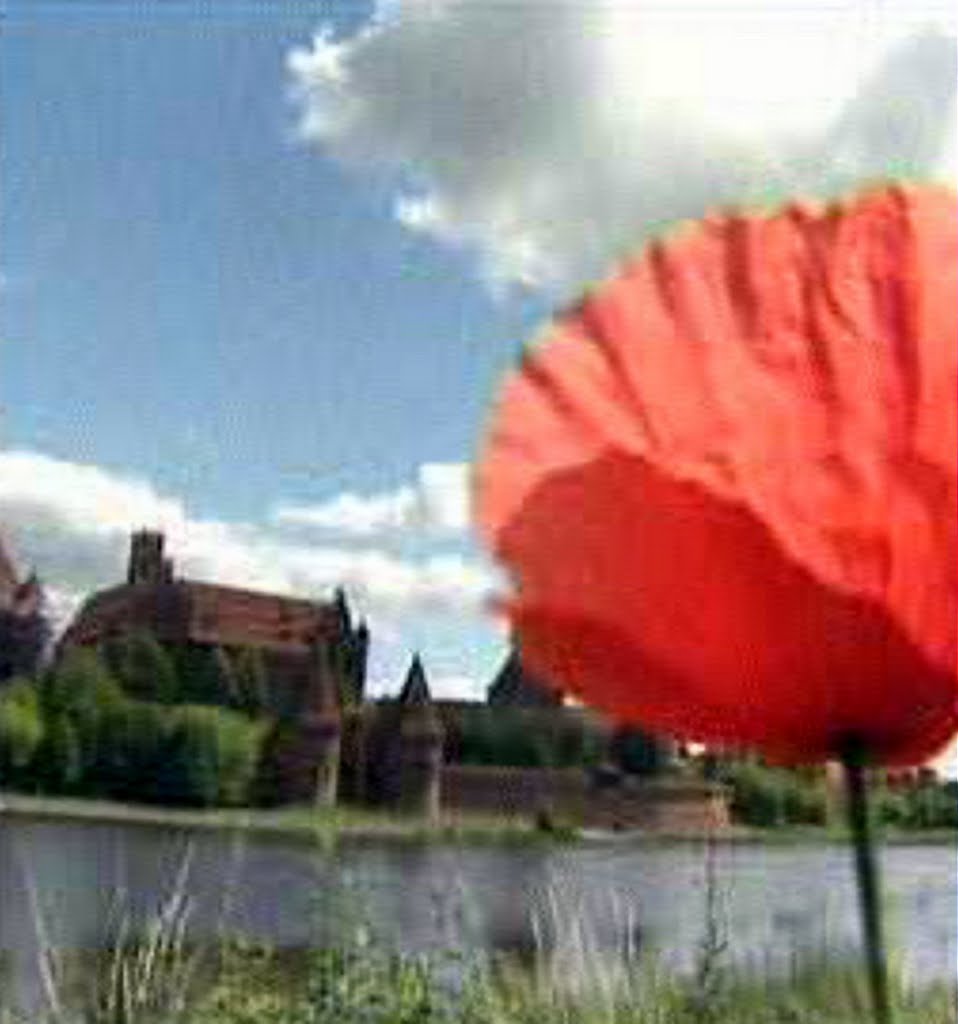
345, 823
287, 823
362, 982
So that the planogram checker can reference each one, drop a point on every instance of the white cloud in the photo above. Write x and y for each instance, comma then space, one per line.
458, 688
436, 503
72, 523
550, 136
946, 764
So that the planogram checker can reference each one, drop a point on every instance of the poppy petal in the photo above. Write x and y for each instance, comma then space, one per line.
736, 461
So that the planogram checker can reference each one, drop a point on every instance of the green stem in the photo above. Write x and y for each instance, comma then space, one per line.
854, 759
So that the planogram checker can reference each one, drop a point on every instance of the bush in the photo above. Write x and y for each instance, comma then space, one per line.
205, 677
21, 732
929, 804
132, 748
252, 688
524, 738
59, 758
767, 796
211, 758
142, 667
75, 696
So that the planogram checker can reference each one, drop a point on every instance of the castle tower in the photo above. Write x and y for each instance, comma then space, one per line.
147, 563
351, 654
322, 727
359, 651
420, 746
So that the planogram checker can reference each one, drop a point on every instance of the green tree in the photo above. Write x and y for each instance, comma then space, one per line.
21, 731
59, 758
204, 676
143, 667
762, 795
212, 757
252, 688
80, 690
131, 750
79, 682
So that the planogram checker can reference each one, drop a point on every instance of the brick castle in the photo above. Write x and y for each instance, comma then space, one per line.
331, 744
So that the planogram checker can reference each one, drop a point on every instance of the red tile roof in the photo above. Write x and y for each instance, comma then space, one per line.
188, 611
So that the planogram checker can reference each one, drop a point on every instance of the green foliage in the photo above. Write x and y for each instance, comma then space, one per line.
928, 804
360, 983
524, 737
74, 696
252, 690
132, 748
77, 732
211, 757
79, 685
142, 667
205, 677
59, 756
767, 796
21, 731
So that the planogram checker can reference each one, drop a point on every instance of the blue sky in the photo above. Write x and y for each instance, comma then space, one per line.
195, 296
264, 262
195, 299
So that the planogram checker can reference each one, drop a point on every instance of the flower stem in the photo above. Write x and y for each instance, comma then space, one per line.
854, 759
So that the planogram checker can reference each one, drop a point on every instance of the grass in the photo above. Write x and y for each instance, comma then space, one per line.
366, 984
157, 977
330, 826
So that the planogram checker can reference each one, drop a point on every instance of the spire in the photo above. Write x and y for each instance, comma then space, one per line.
515, 687
342, 611
415, 690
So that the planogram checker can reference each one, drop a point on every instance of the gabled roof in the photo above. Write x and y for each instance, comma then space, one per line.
415, 691
514, 686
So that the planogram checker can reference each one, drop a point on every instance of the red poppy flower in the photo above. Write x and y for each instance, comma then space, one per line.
725, 484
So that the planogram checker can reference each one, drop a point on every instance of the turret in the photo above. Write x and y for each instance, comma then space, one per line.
343, 614
359, 657
420, 746
147, 564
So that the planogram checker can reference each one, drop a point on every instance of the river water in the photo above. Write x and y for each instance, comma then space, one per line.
69, 885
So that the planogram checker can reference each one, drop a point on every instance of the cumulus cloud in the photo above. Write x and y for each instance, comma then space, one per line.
72, 523
550, 137
436, 503
457, 687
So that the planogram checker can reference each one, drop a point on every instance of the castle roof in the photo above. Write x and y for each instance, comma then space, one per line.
22, 597
514, 686
184, 611
415, 691
181, 611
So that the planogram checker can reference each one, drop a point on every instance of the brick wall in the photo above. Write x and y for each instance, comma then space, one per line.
666, 805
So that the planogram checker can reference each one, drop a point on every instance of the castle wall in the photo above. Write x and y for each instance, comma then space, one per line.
569, 795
